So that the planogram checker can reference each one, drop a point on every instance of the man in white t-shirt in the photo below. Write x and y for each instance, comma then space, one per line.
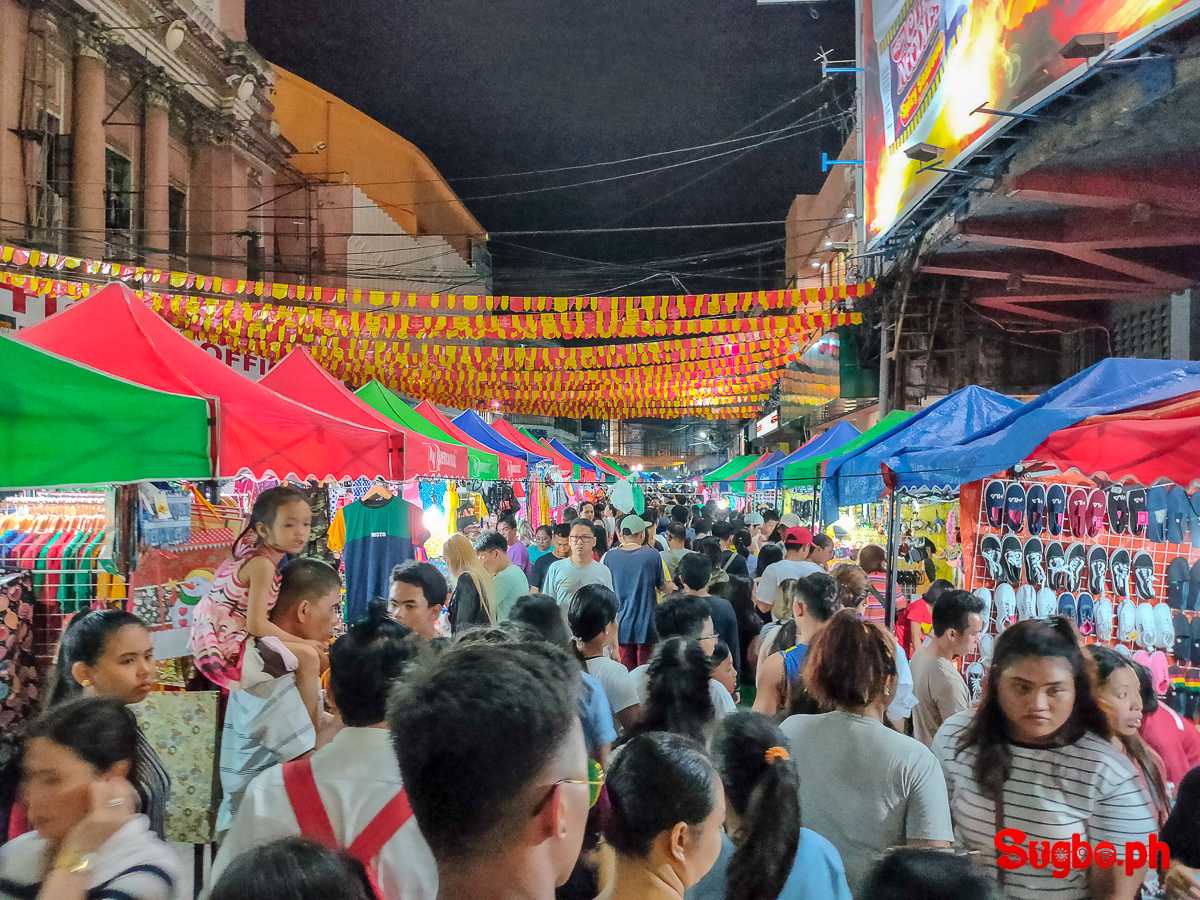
568, 575
355, 778
686, 616
797, 545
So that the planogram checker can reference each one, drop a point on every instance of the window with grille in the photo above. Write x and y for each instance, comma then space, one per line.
1143, 331
177, 221
118, 198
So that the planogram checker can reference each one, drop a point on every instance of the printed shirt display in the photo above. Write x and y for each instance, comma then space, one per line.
374, 537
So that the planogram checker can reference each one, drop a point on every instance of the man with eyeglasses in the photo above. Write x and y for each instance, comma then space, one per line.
566, 576
492, 753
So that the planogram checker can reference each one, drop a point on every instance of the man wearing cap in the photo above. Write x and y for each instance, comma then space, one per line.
637, 575
797, 545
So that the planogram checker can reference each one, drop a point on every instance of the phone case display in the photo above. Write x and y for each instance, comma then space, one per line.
1122, 562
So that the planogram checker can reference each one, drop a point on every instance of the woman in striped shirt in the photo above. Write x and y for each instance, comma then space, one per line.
108, 653
1033, 769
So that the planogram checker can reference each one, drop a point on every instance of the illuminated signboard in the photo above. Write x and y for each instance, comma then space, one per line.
766, 424
928, 64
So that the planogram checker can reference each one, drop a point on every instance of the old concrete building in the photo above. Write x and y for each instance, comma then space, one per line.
145, 131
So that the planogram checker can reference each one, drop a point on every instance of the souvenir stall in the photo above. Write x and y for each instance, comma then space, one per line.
74, 440
589, 470
1096, 547
383, 523
545, 488
801, 502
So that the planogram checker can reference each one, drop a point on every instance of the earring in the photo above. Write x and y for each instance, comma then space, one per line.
87, 682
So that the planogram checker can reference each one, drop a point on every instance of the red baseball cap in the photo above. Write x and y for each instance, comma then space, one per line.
798, 535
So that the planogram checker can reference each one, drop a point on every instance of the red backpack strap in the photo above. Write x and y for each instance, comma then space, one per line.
381, 829
306, 802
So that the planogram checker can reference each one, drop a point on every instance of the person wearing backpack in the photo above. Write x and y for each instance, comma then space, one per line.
349, 794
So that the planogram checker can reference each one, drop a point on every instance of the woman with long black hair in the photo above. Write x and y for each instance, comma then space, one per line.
1035, 761
678, 698
773, 856
78, 768
108, 653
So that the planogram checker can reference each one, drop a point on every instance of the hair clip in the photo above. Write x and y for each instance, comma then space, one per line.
774, 753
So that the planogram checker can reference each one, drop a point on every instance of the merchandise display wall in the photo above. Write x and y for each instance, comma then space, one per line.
1123, 563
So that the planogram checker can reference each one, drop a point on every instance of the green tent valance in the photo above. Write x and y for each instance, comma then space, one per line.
480, 464
66, 425
732, 468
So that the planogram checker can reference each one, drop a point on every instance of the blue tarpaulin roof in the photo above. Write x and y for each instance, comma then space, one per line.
1109, 386
855, 478
767, 476
575, 457
472, 424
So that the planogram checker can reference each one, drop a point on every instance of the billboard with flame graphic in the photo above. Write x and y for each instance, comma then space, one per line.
928, 64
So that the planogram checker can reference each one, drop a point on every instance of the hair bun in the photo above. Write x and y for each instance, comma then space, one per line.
377, 612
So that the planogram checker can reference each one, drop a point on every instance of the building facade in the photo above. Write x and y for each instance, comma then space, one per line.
146, 132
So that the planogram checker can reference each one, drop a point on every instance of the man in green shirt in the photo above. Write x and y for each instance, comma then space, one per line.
509, 580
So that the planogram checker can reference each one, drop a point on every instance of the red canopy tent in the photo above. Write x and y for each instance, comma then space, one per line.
256, 428
528, 444
511, 469
301, 378
1137, 445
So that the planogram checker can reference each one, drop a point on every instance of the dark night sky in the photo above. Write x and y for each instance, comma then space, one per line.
498, 86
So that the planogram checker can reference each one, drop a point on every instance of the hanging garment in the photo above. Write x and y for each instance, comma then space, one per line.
374, 536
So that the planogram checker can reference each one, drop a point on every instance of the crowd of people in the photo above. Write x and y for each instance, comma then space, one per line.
682, 703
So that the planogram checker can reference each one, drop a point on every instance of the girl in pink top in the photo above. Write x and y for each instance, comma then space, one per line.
243, 591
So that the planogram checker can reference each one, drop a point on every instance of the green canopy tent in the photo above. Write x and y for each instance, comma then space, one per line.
732, 468
481, 464
615, 466
807, 472
68, 425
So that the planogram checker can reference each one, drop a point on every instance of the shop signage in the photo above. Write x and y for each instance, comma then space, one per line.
929, 64
252, 366
766, 424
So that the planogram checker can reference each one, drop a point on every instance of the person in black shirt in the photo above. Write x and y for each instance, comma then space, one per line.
559, 549
731, 561
694, 573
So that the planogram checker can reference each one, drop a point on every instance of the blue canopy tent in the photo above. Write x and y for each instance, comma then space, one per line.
576, 459
856, 478
1109, 386
472, 424
767, 476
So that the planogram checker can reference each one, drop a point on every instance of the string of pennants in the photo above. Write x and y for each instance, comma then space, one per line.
621, 309
725, 374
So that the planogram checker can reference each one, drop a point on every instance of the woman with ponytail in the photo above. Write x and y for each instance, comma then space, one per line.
773, 855
107, 653
863, 786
